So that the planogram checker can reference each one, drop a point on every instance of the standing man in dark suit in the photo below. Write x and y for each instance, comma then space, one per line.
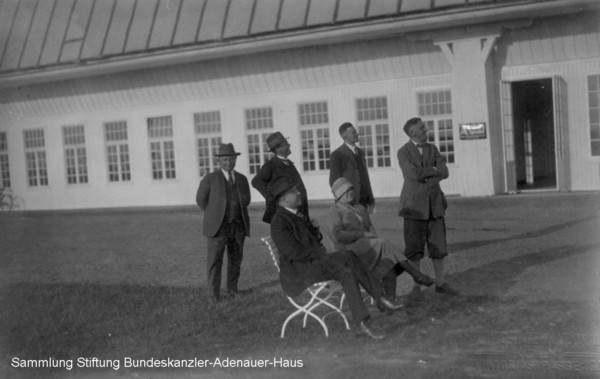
348, 161
278, 167
303, 260
224, 196
422, 202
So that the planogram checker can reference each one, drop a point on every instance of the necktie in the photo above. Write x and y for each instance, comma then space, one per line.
230, 181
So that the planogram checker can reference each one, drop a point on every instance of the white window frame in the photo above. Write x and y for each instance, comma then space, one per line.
76, 170
4, 163
259, 125
373, 126
594, 113
435, 109
207, 127
35, 157
162, 147
315, 138
118, 158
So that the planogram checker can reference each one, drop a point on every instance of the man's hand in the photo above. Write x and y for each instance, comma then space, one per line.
370, 235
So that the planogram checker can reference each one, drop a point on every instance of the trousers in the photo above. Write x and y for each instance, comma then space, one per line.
230, 236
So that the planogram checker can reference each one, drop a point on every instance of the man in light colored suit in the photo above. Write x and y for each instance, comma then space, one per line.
224, 196
348, 161
422, 202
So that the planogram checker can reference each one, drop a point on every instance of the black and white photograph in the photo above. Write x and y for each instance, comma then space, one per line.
299, 189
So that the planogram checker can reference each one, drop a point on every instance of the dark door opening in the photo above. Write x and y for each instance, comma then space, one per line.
535, 150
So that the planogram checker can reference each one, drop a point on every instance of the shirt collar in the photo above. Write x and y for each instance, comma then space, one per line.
294, 211
352, 148
226, 174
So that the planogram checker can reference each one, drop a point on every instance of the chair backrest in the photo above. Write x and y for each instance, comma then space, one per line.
273, 250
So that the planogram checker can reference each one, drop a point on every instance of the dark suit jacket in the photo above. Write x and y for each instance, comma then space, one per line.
421, 193
343, 164
272, 170
300, 251
211, 197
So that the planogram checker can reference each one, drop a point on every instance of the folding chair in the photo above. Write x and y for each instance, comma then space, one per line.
320, 294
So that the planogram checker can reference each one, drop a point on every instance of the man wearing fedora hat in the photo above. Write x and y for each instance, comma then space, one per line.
279, 166
224, 196
304, 261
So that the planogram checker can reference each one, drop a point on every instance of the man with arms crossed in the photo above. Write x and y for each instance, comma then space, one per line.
422, 202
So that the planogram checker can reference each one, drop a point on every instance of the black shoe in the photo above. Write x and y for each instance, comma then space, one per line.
365, 329
417, 275
446, 289
385, 304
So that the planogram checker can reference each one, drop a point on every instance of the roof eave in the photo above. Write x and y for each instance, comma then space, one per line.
302, 38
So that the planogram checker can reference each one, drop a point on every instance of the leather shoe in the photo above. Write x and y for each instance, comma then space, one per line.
385, 304
365, 329
446, 289
417, 275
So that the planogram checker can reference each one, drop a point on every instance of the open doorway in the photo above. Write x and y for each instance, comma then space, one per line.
534, 141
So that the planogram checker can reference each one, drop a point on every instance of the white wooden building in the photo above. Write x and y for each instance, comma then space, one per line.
119, 103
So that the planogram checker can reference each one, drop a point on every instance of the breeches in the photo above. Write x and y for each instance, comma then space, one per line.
421, 233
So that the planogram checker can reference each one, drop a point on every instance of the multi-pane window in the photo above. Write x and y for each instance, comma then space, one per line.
4, 169
208, 138
259, 125
162, 149
117, 151
314, 135
435, 109
374, 131
75, 154
594, 102
35, 157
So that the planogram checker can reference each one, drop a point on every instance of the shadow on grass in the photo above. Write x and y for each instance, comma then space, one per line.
66, 321
458, 246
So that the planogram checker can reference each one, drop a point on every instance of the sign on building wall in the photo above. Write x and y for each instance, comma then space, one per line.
473, 130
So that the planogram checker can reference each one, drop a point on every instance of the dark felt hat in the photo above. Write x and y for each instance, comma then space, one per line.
280, 186
226, 150
275, 140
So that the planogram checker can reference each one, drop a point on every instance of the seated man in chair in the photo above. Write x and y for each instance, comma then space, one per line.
349, 227
304, 261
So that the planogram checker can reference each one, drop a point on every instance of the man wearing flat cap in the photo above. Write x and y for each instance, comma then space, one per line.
278, 167
304, 261
224, 196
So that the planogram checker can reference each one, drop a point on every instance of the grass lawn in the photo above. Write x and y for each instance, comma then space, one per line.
123, 284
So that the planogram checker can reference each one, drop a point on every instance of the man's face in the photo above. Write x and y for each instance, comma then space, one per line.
418, 132
291, 198
284, 149
350, 135
347, 197
227, 163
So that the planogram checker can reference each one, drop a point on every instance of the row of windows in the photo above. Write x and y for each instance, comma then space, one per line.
372, 125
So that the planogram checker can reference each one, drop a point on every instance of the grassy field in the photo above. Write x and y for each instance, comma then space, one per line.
123, 284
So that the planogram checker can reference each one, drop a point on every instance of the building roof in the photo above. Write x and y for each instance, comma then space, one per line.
40, 38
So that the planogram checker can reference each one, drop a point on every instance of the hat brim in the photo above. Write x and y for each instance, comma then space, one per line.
227, 155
